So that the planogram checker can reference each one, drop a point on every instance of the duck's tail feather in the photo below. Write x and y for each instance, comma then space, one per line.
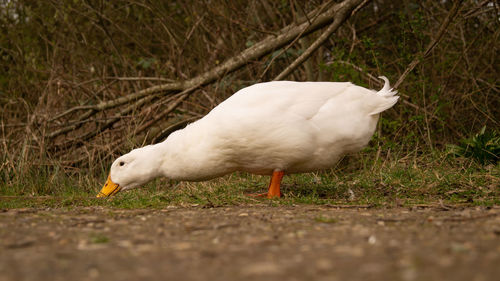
388, 95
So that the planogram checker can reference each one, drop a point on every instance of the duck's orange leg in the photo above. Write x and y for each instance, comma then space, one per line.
274, 186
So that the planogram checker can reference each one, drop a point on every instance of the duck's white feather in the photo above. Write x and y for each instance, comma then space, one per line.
289, 126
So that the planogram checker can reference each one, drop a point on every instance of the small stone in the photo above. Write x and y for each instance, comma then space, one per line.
93, 273
182, 246
262, 268
125, 243
301, 233
372, 240
323, 264
349, 250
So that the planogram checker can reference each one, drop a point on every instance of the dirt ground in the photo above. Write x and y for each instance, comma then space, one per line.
257, 242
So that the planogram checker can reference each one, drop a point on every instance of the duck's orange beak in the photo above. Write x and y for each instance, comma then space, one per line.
110, 188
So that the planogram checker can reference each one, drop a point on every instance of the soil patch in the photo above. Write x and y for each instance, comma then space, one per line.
257, 242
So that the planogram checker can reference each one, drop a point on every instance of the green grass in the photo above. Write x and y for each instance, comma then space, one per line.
324, 219
391, 182
98, 238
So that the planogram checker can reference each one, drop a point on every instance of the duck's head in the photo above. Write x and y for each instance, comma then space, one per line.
132, 170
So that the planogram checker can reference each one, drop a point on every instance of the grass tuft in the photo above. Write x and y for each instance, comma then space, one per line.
361, 180
483, 147
324, 219
99, 239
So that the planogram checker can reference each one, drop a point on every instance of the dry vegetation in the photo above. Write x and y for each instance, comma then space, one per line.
83, 81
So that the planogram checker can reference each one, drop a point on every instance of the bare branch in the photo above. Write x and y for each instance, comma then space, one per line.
315, 20
449, 18
341, 15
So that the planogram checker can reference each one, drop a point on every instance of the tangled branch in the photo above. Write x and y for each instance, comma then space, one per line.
326, 14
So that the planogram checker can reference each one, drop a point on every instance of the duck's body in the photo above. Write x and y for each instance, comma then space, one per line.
290, 127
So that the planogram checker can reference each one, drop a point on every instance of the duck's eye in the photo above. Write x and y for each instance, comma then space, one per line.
122, 163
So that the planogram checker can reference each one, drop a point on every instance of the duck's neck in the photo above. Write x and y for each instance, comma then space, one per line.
189, 155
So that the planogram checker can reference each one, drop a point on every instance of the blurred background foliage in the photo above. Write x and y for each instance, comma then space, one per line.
55, 55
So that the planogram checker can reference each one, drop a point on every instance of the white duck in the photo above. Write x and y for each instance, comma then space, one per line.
269, 128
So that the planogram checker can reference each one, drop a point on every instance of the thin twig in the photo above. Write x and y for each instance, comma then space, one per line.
171, 107
140, 79
283, 50
449, 18
111, 104
172, 128
350, 206
340, 16
472, 217
405, 101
